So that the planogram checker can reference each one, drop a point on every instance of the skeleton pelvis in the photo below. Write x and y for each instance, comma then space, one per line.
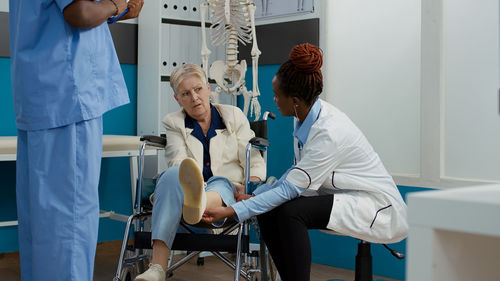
228, 78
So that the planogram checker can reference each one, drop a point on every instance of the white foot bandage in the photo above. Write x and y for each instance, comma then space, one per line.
195, 200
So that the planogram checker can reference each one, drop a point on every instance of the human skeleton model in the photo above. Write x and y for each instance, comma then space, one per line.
232, 21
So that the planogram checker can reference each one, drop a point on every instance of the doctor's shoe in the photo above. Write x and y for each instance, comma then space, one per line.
195, 200
154, 273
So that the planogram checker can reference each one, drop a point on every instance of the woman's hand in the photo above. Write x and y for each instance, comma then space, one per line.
254, 178
217, 213
239, 187
241, 196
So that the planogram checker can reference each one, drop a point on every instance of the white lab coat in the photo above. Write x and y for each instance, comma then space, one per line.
338, 159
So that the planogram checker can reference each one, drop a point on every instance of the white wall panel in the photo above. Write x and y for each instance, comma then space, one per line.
193, 46
372, 67
194, 9
4, 5
175, 9
168, 103
180, 44
166, 62
471, 84
149, 68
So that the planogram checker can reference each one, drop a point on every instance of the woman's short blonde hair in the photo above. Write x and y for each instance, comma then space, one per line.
185, 71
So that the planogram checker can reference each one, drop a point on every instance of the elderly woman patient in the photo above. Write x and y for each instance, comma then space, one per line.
206, 153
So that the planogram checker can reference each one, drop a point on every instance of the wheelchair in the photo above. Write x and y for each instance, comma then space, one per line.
134, 257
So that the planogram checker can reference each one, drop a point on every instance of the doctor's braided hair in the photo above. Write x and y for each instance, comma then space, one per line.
300, 76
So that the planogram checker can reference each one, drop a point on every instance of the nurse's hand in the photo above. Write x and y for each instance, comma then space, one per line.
135, 7
89, 14
217, 213
121, 5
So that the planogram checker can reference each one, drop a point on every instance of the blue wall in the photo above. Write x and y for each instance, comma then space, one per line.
280, 153
114, 187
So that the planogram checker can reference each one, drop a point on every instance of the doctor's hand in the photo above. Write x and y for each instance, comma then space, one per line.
217, 213
135, 7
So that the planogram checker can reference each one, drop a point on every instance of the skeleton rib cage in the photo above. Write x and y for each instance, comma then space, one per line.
232, 21
239, 21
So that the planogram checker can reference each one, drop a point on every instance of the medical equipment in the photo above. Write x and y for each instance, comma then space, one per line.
233, 21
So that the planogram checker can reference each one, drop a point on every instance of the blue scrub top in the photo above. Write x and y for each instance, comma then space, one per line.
60, 74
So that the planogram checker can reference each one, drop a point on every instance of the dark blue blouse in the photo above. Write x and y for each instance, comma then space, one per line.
215, 124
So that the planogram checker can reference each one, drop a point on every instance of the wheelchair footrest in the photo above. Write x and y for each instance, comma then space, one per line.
197, 242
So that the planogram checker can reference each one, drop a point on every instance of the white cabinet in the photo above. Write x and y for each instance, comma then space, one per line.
454, 234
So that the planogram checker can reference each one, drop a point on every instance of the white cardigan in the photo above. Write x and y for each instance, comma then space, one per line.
227, 148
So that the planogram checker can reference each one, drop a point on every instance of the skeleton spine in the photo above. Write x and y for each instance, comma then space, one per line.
232, 49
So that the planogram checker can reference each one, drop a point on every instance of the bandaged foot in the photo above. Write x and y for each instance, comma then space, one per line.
195, 199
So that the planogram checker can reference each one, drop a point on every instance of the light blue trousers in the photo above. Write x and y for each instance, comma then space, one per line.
57, 175
168, 200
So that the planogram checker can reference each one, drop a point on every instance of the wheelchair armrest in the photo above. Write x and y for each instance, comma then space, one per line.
154, 140
259, 142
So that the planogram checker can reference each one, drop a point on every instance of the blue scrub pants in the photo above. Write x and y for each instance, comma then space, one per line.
168, 200
57, 201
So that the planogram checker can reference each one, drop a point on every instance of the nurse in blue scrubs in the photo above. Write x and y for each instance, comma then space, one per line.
65, 76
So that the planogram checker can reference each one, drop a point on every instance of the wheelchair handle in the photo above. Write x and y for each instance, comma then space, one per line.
268, 114
154, 140
259, 143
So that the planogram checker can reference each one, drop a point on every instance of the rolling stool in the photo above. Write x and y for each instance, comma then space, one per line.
363, 266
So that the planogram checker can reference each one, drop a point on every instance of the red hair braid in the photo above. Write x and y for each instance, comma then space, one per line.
300, 76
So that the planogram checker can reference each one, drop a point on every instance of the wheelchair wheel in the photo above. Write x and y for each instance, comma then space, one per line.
141, 265
254, 277
127, 274
272, 271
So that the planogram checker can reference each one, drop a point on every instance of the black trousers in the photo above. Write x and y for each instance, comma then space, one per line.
284, 229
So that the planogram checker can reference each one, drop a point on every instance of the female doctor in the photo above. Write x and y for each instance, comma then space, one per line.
338, 181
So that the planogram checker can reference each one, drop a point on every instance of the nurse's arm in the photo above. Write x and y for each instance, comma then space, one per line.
89, 14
